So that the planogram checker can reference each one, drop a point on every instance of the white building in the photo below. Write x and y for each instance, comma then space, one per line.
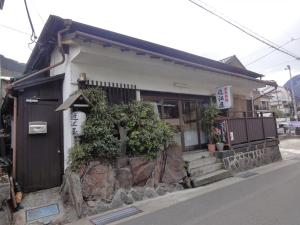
179, 82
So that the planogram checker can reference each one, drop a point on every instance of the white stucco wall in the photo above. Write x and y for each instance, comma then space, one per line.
113, 65
67, 90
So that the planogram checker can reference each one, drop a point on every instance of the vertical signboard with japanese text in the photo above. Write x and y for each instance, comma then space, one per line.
224, 97
78, 119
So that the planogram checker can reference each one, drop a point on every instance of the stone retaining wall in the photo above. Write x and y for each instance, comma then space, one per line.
250, 155
101, 186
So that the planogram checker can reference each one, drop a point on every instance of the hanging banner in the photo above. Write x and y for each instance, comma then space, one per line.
224, 97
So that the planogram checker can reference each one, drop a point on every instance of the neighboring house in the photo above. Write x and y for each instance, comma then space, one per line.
9, 68
273, 99
233, 61
179, 83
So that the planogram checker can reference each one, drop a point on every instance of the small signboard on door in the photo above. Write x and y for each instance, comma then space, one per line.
224, 97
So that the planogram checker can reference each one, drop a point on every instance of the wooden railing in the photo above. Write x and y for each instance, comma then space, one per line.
248, 129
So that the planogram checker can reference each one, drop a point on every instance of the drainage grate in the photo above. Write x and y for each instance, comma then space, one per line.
41, 212
115, 216
246, 174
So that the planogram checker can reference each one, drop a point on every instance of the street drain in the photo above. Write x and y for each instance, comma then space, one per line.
246, 174
41, 212
115, 216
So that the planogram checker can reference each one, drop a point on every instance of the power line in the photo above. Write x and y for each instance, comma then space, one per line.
33, 35
269, 53
35, 7
245, 31
14, 29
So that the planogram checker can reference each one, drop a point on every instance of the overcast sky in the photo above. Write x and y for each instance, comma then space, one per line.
174, 23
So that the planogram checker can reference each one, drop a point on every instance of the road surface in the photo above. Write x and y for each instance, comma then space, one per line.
265, 199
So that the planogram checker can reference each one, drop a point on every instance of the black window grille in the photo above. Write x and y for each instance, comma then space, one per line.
116, 93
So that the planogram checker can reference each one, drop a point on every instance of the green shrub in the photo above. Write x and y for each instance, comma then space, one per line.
78, 156
99, 140
146, 133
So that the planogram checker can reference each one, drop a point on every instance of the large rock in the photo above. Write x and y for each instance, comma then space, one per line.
98, 181
142, 169
96, 207
124, 177
174, 168
150, 192
71, 192
137, 193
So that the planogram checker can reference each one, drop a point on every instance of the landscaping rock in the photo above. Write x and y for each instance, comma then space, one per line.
141, 169
127, 199
161, 189
174, 169
174, 187
150, 193
91, 203
124, 177
159, 169
71, 191
99, 207
137, 195
99, 181
118, 199
75, 192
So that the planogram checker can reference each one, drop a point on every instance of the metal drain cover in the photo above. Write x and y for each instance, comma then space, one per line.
246, 174
41, 212
115, 216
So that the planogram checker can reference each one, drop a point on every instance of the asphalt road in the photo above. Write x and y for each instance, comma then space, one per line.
267, 199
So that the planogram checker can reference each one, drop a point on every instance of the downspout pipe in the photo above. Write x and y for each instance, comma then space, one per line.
14, 136
68, 24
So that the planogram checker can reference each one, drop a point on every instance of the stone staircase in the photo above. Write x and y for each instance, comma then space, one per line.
203, 168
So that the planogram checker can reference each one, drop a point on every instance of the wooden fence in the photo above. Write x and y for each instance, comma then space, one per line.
249, 129
116, 93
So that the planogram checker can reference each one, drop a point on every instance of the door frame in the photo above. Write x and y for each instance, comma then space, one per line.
22, 129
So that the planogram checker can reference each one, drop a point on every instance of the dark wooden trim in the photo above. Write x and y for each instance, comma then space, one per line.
172, 96
40, 81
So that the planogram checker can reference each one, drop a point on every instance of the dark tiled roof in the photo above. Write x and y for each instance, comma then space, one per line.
55, 24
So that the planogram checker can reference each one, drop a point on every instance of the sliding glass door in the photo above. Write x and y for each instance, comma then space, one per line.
190, 125
183, 113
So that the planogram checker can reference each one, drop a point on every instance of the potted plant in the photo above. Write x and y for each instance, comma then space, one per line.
218, 138
209, 117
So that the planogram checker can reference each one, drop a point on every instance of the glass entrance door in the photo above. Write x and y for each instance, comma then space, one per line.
190, 125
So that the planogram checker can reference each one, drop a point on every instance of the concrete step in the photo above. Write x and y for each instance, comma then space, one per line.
202, 162
209, 168
211, 177
195, 155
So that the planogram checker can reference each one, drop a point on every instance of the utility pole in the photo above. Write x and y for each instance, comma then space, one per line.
288, 67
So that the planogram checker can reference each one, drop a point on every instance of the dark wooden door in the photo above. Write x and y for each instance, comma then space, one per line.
40, 156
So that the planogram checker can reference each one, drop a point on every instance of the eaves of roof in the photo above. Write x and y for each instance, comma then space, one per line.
54, 24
